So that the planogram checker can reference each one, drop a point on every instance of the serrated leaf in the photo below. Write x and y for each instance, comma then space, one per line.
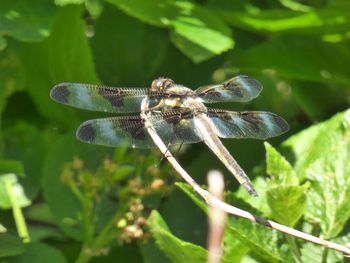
261, 240
26, 21
176, 249
196, 31
234, 250
17, 192
287, 203
260, 203
279, 168
322, 153
10, 245
315, 253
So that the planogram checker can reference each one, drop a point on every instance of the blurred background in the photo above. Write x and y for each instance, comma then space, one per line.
71, 202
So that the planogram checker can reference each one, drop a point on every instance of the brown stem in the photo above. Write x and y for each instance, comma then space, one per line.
213, 201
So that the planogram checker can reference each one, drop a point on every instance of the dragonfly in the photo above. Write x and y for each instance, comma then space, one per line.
177, 114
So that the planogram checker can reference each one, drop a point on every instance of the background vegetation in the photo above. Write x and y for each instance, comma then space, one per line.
64, 201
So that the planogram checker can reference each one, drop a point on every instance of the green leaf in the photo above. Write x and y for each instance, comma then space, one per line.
314, 22
64, 56
26, 21
120, 59
93, 6
322, 153
68, 2
3, 43
10, 245
11, 166
299, 58
11, 74
176, 249
287, 203
234, 250
279, 168
65, 207
316, 253
261, 241
196, 31
10, 180
26, 143
39, 252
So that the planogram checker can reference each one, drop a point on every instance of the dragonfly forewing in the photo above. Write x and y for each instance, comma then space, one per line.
238, 89
99, 98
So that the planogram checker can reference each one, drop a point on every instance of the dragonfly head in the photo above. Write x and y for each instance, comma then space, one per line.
161, 84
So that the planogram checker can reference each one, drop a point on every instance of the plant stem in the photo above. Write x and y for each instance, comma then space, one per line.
84, 256
17, 212
325, 255
294, 248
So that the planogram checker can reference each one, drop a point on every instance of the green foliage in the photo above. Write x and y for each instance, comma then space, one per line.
195, 31
26, 22
11, 190
64, 201
176, 249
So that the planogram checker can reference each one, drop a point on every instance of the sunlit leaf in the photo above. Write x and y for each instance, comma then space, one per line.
287, 203
279, 169
176, 249
260, 240
196, 31
67, 2
322, 153
11, 188
281, 21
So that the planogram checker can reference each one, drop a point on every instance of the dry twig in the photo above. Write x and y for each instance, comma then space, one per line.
217, 218
213, 201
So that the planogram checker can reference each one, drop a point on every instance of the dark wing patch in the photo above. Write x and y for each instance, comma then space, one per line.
173, 127
248, 124
101, 98
238, 89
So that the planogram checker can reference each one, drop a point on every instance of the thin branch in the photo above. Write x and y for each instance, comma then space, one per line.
213, 201
217, 218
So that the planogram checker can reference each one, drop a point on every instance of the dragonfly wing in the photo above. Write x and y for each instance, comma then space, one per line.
130, 131
247, 124
238, 89
99, 98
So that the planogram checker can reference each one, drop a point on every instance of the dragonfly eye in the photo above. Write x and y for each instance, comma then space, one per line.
161, 84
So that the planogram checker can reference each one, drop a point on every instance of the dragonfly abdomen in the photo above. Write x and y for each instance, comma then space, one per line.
205, 127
